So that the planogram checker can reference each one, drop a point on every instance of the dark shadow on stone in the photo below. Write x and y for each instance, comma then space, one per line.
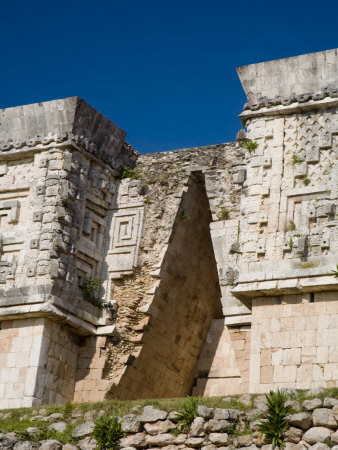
185, 302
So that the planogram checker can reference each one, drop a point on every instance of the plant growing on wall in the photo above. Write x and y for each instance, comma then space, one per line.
292, 225
290, 243
250, 145
108, 432
189, 413
223, 214
184, 216
335, 272
128, 172
296, 159
275, 421
92, 287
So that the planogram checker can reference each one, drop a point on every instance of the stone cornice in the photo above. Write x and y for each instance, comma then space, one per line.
14, 149
291, 104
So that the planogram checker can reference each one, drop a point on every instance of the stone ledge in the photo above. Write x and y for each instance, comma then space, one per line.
52, 307
288, 286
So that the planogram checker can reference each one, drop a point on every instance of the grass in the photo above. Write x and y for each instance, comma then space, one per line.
16, 423
308, 265
296, 159
128, 172
223, 214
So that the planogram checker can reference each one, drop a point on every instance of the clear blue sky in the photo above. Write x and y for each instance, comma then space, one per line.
164, 71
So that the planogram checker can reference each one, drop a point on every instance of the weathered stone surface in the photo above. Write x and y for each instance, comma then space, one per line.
293, 435
197, 427
205, 412
330, 402
173, 416
69, 447
26, 445
296, 406
131, 423
221, 414
133, 440
54, 416
243, 441
51, 444
33, 431
335, 411
87, 443
317, 434
160, 440
162, 426
219, 438
312, 404
254, 425
151, 414
7, 440
291, 446
334, 438
319, 446
258, 438
194, 442
260, 403
301, 420
324, 417
76, 413
245, 399
58, 426
214, 425
234, 414
83, 430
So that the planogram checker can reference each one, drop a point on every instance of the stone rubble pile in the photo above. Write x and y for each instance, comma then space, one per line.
313, 425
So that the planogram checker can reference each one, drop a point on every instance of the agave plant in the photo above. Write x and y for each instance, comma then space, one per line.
275, 421
189, 413
108, 432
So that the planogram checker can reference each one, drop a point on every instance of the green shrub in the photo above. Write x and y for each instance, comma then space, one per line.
250, 145
189, 413
92, 287
223, 214
335, 272
108, 432
128, 172
275, 421
292, 225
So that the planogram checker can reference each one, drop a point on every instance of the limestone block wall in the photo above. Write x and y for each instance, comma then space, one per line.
224, 362
91, 384
38, 363
58, 362
20, 345
294, 342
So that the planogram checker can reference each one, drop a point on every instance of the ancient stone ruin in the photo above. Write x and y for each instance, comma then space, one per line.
214, 265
